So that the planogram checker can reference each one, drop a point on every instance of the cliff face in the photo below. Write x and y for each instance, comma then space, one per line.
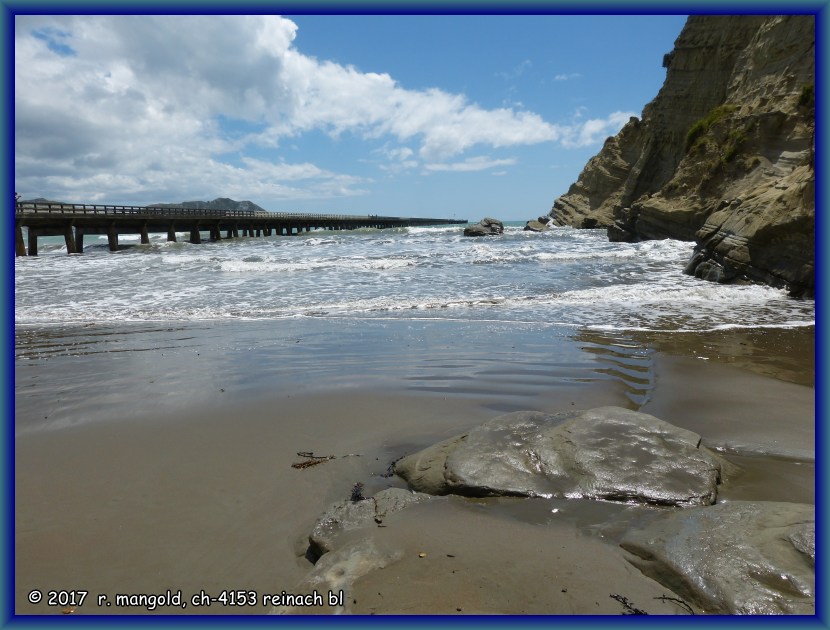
723, 155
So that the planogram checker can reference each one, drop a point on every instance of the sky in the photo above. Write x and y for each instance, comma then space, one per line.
430, 116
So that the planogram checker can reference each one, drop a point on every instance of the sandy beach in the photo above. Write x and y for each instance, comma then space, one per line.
206, 499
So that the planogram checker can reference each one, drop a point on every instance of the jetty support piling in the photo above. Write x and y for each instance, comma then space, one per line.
32, 242
19, 244
69, 239
145, 237
171, 233
79, 240
195, 236
112, 237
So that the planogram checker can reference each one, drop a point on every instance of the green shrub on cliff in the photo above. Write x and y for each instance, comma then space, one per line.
702, 126
807, 98
734, 141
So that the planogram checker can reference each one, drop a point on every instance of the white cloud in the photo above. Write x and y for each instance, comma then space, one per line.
595, 130
396, 159
142, 106
516, 71
567, 76
478, 163
401, 153
133, 111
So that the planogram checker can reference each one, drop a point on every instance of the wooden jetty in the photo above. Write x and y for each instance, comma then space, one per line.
74, 221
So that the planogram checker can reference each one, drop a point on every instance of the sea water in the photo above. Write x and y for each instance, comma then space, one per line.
169, 323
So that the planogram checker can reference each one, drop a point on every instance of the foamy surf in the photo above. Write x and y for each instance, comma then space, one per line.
571, 278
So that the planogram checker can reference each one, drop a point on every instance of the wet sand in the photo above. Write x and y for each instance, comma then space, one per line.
206, 499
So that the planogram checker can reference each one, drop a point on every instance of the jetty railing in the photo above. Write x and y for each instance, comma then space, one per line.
164, 210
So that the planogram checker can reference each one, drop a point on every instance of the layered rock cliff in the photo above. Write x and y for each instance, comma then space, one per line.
724, 155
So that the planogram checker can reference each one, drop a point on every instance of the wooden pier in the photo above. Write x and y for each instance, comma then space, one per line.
74, 221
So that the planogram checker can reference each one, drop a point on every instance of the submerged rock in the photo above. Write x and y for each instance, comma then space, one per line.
605, 453
734, 558
486, 227
536, 226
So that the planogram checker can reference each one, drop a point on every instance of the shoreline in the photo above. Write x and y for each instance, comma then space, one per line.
205, 498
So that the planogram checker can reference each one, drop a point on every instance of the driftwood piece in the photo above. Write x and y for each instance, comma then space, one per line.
312, 460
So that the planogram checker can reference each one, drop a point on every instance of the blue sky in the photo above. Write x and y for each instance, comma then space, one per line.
442, 116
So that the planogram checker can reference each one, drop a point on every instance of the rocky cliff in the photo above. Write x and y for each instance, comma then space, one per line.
724, 155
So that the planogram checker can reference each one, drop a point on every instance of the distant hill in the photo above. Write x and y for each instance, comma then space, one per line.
222, 203
39, 200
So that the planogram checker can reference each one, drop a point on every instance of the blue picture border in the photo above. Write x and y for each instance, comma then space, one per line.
10, 8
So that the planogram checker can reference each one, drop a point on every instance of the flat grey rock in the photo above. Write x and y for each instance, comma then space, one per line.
754, 558
605, 453
350, 515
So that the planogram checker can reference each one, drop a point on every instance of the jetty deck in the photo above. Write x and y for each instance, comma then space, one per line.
74, 221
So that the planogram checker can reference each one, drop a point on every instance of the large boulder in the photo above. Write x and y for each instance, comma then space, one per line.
606, 453
740, 557
486, 227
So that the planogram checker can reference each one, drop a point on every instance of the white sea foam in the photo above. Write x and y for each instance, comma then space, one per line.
566, 277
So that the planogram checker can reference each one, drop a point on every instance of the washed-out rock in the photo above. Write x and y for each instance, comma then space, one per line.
604, 453
334, 575
740, 557
350, 515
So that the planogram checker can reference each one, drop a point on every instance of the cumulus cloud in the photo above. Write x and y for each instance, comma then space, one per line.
144, 105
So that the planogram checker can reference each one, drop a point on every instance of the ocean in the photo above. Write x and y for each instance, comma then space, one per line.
168, 325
